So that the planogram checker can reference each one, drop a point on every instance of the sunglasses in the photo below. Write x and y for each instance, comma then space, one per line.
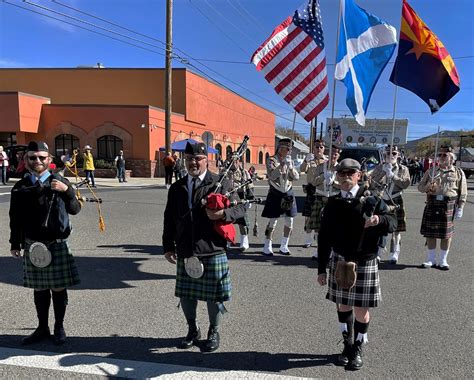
34, 158
195, 158
393, 154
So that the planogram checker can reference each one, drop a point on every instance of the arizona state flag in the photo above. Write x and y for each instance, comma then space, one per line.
423, 65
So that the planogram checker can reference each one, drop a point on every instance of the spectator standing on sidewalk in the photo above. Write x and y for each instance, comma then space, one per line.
120, 164
88, 165
168, 163
3, 165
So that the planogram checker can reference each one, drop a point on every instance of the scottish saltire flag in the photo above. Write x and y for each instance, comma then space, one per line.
293, 61
365, 45
423, 65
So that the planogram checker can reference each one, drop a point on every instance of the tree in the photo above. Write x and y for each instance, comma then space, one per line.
288, 132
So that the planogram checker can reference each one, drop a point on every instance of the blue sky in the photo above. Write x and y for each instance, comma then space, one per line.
232, 30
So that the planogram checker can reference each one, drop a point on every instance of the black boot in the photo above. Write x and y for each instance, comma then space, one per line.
212, 342
193, 336
343, 358
42, 302
59, 305
355, 361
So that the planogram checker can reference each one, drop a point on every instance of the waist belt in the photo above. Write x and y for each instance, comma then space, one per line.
31, 241
440, 198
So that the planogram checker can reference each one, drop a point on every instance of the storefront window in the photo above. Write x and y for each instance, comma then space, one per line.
108, 147
65, 144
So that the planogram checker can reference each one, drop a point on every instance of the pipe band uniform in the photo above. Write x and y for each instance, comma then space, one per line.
40, 205
391, 178
353, 224
189, 233
280, 199
321, 183
446, 193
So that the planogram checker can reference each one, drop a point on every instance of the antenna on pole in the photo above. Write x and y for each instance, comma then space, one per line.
168, 73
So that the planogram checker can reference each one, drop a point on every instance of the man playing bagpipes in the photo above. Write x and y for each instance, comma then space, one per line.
321, 185
280, 199
195, 237
391, 178
40, 206
446, 193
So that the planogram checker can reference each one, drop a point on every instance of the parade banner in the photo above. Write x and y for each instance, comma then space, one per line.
376, 131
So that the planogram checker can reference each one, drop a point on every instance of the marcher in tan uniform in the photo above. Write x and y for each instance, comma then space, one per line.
446, 190
392, 178
320, 180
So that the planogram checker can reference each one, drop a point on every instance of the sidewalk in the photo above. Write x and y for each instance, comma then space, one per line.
131, 182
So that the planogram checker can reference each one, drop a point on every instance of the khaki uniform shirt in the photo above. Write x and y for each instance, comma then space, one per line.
399, 182
449, 182
280, 175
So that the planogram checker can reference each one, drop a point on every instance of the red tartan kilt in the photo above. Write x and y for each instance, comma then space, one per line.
438, 218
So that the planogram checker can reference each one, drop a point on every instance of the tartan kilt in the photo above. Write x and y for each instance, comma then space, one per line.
308, 203
214, 285
273, 208
400, 214
61, 273
366, 291
437, 219
313, 222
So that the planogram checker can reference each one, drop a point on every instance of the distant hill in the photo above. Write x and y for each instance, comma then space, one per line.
426, 144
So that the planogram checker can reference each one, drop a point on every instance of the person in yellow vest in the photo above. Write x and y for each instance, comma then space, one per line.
88, 165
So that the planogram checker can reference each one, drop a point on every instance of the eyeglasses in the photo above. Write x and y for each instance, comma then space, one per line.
34, 158
346, 173
195, 158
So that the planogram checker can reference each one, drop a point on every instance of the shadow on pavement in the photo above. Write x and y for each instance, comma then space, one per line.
94, 272
148, 350
136, 248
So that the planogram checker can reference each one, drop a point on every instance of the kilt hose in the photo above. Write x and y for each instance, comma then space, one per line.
273, 208
400, 214
61, 273
365, 292
437, 219
313, 222
214, 285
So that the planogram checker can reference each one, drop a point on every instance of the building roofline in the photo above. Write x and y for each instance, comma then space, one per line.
24, 94
111, 106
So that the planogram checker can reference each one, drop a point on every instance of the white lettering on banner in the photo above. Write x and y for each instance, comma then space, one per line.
376, 131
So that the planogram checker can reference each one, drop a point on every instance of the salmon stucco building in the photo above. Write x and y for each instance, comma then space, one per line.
114, 109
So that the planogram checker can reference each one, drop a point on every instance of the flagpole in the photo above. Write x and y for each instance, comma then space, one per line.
393, 119
334, 81
435, 156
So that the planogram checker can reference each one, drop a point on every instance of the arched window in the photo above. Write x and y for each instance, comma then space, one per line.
219, 148
207, 138
267, 156
65, 144
108, 147
228, 152
247, 155
260, 157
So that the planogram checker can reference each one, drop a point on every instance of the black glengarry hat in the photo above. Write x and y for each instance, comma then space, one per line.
195, 149
37, 146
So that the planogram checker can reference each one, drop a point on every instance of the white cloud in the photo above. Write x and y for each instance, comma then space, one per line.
55, 23
7, 63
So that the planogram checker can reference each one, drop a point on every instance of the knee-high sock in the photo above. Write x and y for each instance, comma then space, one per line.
42, 303
360, 331
189, 307
346, 322
215, 315
59, 305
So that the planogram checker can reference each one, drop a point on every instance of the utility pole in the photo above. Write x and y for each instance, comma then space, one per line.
168, 73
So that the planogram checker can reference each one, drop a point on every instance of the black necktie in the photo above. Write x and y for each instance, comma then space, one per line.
194, 187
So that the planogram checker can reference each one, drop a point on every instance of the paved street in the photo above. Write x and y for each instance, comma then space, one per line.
123, 320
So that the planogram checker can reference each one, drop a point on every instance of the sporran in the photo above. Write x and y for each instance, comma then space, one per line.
193, 267
345, 274
286, 202
39, 255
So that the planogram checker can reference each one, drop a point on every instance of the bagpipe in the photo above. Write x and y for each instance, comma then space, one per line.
71, 167
218, 201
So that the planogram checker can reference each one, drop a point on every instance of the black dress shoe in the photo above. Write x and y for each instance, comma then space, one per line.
343, 358
285, 253
355, 361
38, 335
191, 339
212, 342
59, 336
444, 267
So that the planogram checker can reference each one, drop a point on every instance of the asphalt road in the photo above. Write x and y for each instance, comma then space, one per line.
279, 321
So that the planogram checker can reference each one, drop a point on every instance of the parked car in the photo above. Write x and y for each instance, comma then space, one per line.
370, 156
15, 152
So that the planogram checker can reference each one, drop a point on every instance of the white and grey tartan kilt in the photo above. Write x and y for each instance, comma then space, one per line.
437, 219
366, 291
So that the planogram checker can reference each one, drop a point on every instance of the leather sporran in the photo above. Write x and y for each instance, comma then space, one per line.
286, 202
39, 255
193, 267
345, 274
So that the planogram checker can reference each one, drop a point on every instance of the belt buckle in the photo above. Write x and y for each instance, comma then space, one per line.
440, 197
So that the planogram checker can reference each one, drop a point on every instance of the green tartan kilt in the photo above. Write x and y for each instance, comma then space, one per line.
313, 222
61, 273
214, 285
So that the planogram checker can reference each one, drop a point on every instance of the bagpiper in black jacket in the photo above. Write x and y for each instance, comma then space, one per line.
186, 232
342, 228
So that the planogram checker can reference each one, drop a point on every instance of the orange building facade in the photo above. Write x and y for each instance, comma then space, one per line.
113, 109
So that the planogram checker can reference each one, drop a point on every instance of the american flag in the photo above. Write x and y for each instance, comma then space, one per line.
293, 61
